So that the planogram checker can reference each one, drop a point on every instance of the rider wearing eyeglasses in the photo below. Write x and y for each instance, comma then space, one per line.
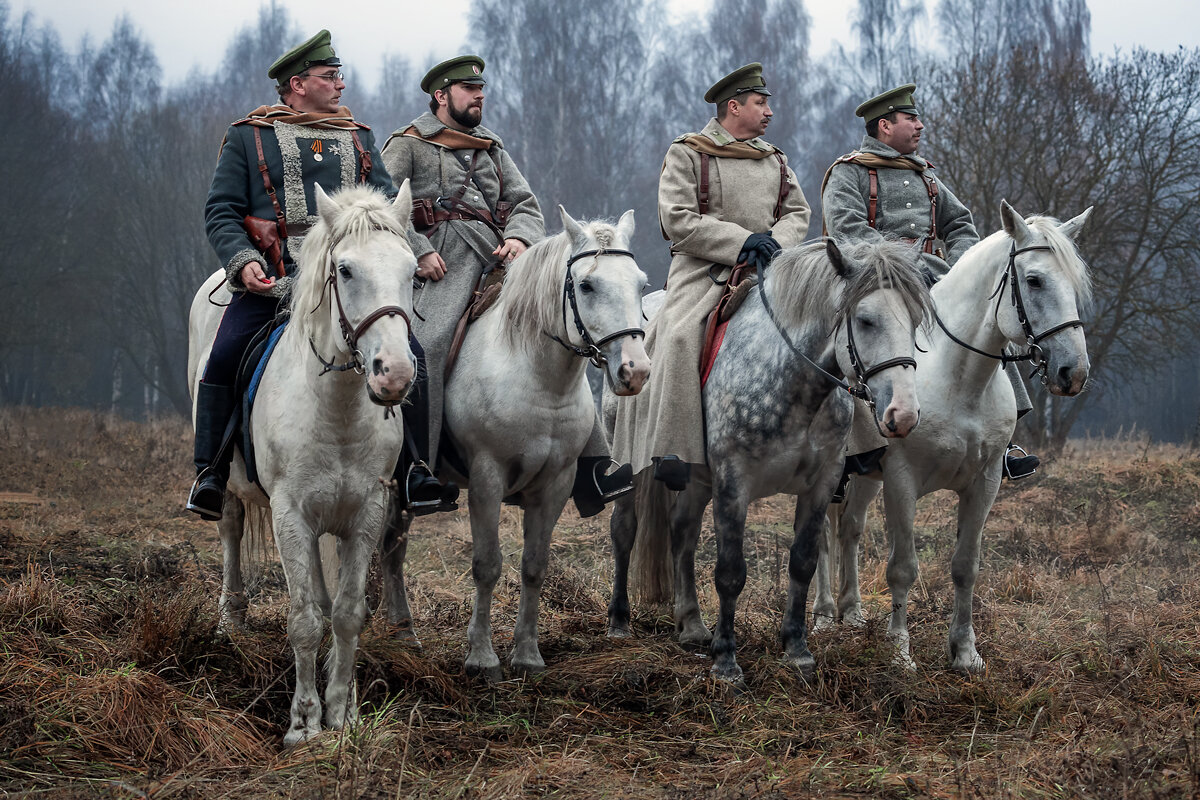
260, 206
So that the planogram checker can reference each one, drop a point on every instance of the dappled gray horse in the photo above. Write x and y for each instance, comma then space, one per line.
520, 410
777, 419
1021, 286
322, 437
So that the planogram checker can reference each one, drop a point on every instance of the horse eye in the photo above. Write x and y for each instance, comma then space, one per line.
866, 322
1034, 282
345, 272
586, 287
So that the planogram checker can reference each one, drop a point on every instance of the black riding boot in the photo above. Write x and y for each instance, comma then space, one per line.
419, 491
214, 407
672, 471
1019, 466
594, 487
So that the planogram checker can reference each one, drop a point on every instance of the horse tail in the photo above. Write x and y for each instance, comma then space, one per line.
651, 567
258, 537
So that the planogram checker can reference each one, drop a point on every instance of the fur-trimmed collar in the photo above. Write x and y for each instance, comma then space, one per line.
428, 125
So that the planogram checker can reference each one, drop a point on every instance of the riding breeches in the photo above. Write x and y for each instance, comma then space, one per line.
245, 315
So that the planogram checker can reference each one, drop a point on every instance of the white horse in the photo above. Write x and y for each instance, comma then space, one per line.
776, 420
1021, 286
322, 438
519, 407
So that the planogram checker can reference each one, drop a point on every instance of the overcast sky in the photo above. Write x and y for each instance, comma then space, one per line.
186, 34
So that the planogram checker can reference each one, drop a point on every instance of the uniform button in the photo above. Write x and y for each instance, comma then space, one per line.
476, 197
908, 205
906, 183
912, 224
468, 158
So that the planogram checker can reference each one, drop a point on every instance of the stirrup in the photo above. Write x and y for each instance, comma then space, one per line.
672, 471
839, 494
1018, 467
444, 501
207, 482
615, 484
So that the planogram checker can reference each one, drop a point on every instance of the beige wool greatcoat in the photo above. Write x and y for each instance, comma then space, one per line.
667, 418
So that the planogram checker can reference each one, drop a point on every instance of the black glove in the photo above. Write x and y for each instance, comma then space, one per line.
759, 249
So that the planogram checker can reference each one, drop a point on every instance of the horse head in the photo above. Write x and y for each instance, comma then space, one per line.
1047, 283
353, 295
602, 300
883, 301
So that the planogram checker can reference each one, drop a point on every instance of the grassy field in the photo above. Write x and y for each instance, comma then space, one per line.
114, 681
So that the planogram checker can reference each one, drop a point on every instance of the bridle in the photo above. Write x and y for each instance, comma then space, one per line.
1034, 354
591, 349
859, 388
350, 333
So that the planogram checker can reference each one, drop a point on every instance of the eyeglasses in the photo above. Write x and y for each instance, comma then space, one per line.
332, 77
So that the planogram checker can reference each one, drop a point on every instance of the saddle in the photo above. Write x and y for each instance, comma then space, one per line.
487, 292
737, 287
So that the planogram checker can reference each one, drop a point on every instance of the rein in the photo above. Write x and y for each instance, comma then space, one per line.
1034, 353
859, 389
351, 333
591, 349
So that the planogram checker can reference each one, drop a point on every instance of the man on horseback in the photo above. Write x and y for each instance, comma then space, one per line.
886, 189
474, 212
726, 198
260, 205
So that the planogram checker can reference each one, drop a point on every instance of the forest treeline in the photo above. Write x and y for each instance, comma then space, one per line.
107, 167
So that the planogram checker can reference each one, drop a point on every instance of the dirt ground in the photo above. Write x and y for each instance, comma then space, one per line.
114, 681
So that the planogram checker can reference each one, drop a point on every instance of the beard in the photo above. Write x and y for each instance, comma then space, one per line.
468, 117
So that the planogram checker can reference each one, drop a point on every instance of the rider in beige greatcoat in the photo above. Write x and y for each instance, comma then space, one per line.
754, 207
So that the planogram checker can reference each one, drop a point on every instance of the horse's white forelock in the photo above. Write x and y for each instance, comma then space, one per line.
531, 302
994, 250
805, 288
360, 210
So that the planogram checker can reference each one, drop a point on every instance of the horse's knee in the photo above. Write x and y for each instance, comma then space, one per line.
485, 571
348, 619
305, 626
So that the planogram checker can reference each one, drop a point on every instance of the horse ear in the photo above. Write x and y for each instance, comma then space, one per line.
402, 205
835, 258
326, 208
1014, 224
1071, 227
625, 226
573, 229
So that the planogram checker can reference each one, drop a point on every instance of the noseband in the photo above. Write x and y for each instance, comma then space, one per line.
591, 349
351, 333
1034, 354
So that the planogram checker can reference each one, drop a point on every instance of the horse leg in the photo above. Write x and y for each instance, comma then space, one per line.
305, 624
824, 610
622, 529
730, 503
541, 512
348, 617
974, 505
808, 526
231, 610
393, 551
685, 537
859, 495
900, 507
484, 503
320, 586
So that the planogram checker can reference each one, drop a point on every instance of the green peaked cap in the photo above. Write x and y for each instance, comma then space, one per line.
898, 99
463, 69
317, 51
743, 79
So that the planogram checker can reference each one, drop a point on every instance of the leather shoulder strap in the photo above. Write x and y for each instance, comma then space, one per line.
703, 196
873, 195
266, 179
785, 187
364, 158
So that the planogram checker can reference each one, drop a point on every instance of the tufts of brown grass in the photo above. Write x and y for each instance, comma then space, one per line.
115, 681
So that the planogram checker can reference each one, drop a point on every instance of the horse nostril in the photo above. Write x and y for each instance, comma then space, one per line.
377, 367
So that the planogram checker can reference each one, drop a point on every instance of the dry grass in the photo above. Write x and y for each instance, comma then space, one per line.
114, 681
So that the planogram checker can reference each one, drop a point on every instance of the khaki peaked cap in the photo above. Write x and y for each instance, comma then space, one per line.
462, 69
317, 51
898, 99
743, 79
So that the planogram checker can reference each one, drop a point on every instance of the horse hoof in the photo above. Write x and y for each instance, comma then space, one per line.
805, 665
295, 736
619, 632
492, 674
822, 622
528, 670
695, 637
968, 666
730, 674
403, 634
854, 619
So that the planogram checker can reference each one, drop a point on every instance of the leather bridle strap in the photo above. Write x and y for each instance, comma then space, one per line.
591, 349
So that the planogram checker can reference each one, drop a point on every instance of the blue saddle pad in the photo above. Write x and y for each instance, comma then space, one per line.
268, 347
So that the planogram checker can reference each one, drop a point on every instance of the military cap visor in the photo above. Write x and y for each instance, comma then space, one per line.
316, 52
898, 99
463, 69
744, 79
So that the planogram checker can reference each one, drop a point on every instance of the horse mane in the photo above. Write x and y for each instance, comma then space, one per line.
1062, 248
531, 302
804, 286
360, 210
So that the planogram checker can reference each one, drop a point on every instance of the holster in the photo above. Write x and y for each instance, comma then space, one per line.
264, 233
502, 213
422, 213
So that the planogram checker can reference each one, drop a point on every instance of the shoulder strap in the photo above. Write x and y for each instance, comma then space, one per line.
785, 187
931, 186
703, 197
266, 179
364, 158
872, 196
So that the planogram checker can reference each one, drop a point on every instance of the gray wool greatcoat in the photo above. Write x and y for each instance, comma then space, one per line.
902, 210
667, 418
465, 245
